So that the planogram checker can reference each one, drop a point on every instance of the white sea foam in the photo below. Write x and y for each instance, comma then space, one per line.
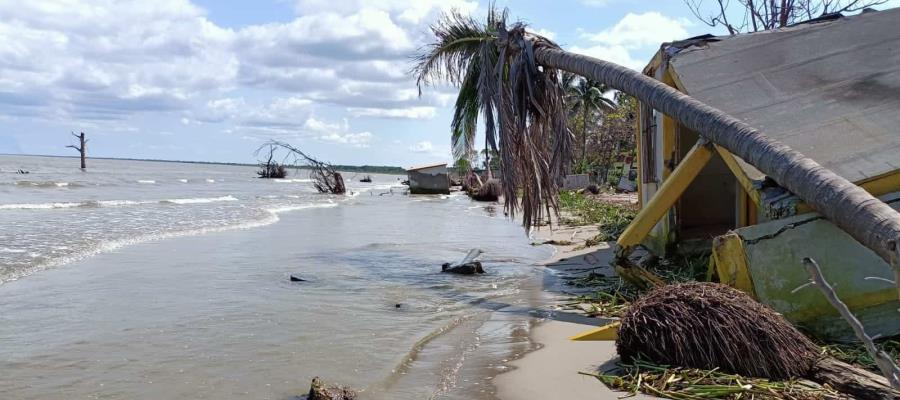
108, 246
9, 250
183, 180
201, 200
120, 203
61, 184
295, 207
146, 181
210, 181
40, 206
285, 180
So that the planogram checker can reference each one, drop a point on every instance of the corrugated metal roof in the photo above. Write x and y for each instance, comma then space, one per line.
830, 90
427, 166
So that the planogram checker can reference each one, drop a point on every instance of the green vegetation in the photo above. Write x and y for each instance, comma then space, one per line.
582, 209
683, 383
612, 294
855, 353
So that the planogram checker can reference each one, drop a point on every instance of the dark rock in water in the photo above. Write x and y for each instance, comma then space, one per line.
471, 268
398, 305
318, 391
295, 278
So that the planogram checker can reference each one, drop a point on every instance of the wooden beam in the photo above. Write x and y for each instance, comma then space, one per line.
668, 193
739, 174
609, 331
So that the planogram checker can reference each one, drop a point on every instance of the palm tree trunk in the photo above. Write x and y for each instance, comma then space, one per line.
584, 117
867, 219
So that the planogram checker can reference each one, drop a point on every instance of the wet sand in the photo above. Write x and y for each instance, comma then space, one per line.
551, 372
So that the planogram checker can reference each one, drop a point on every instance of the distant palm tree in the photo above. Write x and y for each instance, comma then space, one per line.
586, 97
532, 133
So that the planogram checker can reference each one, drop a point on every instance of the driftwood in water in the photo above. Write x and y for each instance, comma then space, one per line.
466, 266
464, 269
325, 178
490, 191
81, 148
318, 391
271, 168
712, 326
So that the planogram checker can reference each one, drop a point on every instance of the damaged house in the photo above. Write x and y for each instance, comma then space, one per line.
829, 88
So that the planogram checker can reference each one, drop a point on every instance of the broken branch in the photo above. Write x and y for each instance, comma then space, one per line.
884, 362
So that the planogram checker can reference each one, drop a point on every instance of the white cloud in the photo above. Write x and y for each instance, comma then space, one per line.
408, 113
336, 132
634, 33
422, 147
361, 139
107, 60
546, 33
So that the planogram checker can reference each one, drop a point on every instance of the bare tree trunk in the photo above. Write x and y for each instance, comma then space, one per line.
81, 148
867, 219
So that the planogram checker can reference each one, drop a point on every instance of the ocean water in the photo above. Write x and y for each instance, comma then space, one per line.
149, 280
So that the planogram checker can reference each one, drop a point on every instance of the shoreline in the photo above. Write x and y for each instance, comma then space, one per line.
551, 370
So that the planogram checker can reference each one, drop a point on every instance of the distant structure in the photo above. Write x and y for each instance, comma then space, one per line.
429, 179
82, 148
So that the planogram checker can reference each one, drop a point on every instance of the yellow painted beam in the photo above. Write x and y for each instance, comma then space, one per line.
883, 184
739, 174
668, 193
731, 262
609, 331
877, 186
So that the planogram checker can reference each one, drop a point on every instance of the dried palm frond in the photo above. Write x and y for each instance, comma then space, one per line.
535, 143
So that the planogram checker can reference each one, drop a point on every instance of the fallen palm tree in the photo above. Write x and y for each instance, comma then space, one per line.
511, 76
326, 179
711, 326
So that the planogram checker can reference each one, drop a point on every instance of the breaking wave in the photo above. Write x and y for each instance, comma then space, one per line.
113, 203
200, 200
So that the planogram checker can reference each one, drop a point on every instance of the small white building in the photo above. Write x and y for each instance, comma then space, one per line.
429, 179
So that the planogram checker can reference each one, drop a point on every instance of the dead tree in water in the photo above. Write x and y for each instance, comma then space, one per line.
325, 178
82, 148
271, 169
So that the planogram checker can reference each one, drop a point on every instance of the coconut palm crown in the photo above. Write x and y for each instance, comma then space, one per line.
586, 97
530, 134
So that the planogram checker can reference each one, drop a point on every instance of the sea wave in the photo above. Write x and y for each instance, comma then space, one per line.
107, 246
268, 218
200, 200
41, 206
45, 184
286, 180
295, 207
112, 203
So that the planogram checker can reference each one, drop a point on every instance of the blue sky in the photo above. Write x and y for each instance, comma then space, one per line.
212, 79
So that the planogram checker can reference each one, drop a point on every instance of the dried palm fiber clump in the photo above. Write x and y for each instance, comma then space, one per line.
710, 325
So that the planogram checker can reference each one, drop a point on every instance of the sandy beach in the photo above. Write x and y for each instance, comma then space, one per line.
552, 371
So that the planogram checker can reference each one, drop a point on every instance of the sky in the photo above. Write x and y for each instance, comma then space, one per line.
211, 80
